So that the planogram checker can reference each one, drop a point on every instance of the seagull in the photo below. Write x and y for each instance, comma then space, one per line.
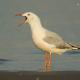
48, 41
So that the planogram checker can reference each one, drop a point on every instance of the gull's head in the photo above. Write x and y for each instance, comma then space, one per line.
29, 17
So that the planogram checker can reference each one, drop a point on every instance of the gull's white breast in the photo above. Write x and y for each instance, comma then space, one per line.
37, 36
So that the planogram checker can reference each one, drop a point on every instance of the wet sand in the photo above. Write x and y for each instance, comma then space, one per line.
33, 75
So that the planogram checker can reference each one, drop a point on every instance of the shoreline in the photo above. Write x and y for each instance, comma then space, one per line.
34, 75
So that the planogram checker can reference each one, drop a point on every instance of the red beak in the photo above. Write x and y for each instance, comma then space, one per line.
18, 14
22, 21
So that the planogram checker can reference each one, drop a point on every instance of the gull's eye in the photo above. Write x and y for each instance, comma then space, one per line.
28, 14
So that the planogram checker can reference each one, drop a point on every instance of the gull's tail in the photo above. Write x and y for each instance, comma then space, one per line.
74, 46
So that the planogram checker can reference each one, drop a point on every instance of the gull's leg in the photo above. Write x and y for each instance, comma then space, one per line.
50, 58
48, 61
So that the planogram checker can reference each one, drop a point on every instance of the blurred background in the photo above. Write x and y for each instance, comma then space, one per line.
17, 51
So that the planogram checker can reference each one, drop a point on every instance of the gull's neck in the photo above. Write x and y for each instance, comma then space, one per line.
36, 27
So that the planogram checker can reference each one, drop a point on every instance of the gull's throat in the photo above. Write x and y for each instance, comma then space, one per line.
36, 26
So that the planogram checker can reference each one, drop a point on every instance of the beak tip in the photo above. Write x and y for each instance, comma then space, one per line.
18, 14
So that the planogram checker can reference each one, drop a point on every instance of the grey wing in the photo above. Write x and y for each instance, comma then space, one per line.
53, 38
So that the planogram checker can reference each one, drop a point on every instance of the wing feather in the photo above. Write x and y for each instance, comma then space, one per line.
55, 39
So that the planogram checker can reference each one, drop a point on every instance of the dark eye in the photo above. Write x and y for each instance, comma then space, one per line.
28, 14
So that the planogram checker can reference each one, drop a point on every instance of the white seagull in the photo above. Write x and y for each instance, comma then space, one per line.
48, 41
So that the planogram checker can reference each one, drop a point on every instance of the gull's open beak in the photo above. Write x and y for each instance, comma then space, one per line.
22, 21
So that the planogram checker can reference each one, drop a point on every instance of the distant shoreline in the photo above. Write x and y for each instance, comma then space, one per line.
34, 75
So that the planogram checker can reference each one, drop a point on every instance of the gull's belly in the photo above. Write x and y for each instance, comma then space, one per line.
43, 46
47, 47
40, 43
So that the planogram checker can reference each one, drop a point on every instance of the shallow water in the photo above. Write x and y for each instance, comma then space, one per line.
33, 61
17, 51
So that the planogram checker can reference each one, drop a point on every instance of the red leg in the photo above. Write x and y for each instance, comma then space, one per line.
50, 57
48, 61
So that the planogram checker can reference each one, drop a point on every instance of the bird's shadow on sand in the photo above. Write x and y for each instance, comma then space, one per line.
3, 61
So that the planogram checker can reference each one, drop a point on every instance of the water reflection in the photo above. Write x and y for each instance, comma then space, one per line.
2, 61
